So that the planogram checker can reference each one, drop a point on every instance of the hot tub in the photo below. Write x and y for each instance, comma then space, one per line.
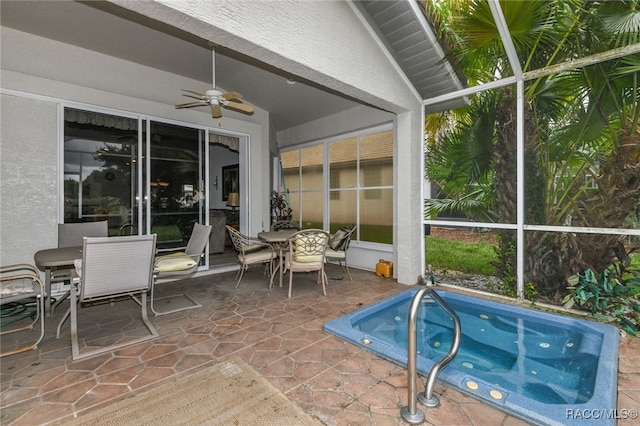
544, 368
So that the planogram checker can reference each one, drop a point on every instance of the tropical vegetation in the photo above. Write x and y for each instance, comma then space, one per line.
612, 293
581, 133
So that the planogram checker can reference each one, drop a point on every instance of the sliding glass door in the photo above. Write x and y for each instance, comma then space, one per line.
101, 154
176, 182
141, 176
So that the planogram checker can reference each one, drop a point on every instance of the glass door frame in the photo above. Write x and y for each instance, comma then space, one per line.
142, 190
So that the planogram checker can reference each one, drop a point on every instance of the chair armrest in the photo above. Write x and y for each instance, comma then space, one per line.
169, 250
254, 244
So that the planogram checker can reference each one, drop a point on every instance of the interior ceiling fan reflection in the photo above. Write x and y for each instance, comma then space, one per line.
214, 98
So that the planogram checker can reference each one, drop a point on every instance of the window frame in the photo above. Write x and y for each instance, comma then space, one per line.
329, 193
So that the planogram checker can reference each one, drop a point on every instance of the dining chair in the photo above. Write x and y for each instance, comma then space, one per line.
285, 224
338, 247
307, 254
179, 263
21, 288
71, 235
251, 251
111, 268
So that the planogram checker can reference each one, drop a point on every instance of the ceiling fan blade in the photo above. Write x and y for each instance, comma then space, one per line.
201, 95
200, 98
216, 111
231, 95
191, 104
239, 107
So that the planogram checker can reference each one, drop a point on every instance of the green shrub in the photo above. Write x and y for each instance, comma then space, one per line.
613, 293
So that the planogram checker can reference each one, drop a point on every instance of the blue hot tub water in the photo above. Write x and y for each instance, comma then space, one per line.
540, 367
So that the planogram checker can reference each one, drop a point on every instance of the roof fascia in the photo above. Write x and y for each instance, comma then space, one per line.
419, 14
374, 34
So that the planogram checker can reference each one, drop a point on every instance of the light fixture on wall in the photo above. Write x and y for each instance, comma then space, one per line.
215, 182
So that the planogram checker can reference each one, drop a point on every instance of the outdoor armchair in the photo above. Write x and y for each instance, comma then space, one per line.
307, 254
284, 224
71, 235
183, 261
338, 247
20, 288
251, 251
111, 268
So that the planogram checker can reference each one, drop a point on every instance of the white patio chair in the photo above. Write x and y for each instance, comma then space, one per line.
307, 254
21, 286
251, 251
71, 235
338, 247
184, 261
285, 224
111, 268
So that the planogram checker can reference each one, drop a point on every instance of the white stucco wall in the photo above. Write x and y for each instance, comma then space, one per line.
28, 189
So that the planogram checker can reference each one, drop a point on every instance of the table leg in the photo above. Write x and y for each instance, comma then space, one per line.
281, 265
273, 274
47, 288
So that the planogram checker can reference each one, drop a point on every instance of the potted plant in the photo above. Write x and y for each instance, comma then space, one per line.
280, 209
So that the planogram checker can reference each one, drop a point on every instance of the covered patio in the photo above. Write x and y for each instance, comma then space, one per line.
332, 380
282, 338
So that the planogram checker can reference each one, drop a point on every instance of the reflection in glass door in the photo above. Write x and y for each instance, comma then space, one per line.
100, 169
176, 182
108, 163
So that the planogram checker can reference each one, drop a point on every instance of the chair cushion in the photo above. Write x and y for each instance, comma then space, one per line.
335, 254
301, 266
15, 287
338, 239
305, 258
174, 262
256, 256
250, 248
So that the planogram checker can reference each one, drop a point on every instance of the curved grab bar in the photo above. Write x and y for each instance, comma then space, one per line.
411, 413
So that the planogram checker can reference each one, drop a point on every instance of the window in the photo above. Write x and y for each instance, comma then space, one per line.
372, 177
334, 182
359, 172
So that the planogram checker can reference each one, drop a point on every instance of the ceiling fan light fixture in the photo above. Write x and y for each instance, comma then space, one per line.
212, 93
215, 98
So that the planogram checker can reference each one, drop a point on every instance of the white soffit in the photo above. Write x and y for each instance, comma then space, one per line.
404, 30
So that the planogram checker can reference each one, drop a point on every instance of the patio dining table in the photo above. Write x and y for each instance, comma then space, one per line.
278, 239
55, 259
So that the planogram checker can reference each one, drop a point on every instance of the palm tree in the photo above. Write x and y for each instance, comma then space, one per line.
579, 125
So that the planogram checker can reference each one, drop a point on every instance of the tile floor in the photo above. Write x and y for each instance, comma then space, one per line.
282, 338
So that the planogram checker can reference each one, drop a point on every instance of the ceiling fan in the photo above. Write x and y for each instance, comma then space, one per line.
214, 98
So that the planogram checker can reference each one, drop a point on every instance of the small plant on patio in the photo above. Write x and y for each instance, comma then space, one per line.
611, 293
280, 209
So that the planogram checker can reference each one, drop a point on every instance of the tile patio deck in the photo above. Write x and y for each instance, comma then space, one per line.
336, 382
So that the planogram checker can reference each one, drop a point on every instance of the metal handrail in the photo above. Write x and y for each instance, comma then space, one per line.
411, 413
